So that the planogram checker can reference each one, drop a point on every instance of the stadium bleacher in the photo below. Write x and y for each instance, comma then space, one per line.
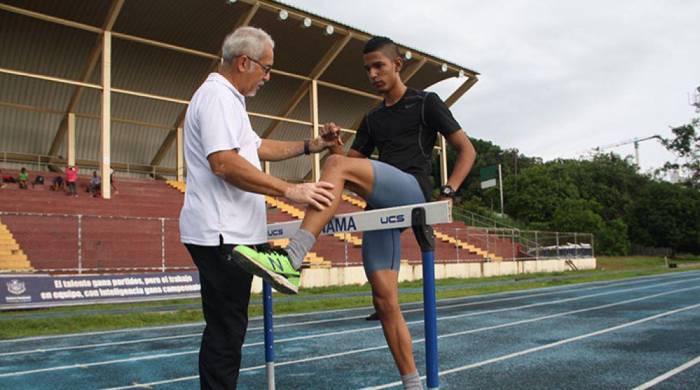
138, 229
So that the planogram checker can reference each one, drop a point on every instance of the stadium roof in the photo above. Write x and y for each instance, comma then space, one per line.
51, 64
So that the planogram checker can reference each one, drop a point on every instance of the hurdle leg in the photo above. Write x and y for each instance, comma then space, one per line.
269, 336
426, 241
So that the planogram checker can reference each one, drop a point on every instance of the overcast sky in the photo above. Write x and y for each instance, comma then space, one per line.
557, 77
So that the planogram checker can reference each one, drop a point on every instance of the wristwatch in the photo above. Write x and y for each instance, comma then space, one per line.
447, 191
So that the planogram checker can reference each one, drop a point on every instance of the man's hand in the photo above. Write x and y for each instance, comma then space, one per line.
317, 195
329, 138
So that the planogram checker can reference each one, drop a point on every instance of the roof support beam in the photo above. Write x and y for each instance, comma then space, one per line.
412, 69
461, 90
313, 108
45, 110
106, 126
51, 19
170, 139
303, 89
93, 57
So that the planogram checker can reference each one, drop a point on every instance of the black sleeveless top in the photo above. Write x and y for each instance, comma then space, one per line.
405, 134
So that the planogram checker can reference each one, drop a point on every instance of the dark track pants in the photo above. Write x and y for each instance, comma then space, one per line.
225, 290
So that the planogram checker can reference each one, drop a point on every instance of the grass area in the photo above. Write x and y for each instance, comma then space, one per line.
79, 319
632, 262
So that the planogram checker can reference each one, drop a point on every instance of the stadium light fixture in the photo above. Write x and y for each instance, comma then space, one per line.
329, 30
306, 23
283, 14
461, 73
407, 55
443, 68
229, 2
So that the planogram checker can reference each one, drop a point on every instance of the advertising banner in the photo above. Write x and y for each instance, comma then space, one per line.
41, 290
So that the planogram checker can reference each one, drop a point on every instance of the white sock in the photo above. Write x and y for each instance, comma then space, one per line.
411, 381
300, 244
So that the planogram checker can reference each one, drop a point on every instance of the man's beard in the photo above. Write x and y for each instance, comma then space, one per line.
255, 90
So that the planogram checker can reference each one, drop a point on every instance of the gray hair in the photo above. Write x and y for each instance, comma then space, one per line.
249, 41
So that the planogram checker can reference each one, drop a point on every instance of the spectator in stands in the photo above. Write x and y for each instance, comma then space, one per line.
404, 129
2, 180
72, 179
224, 203
58, 184
39, 179
94, 185
23, 178
112, 183
8, 179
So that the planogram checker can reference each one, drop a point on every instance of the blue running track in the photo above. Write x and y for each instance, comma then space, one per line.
627, 334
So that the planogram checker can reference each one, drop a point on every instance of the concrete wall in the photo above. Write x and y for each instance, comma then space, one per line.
339, 276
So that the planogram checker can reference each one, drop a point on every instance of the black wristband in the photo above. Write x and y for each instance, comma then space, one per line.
447, 191
306, 147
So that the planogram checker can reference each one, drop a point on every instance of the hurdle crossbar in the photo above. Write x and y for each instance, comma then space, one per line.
362, 221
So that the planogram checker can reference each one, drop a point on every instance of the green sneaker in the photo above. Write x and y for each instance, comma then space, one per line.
272, 265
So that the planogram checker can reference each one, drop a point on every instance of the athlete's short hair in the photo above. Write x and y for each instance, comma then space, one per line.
384, 44
249, 41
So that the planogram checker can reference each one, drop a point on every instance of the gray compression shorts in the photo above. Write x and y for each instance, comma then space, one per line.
381, 249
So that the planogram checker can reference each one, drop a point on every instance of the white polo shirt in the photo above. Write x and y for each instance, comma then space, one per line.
216, 120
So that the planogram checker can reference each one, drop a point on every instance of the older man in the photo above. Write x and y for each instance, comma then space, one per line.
224, 203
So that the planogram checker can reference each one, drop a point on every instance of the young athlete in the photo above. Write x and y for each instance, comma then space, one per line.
403, 129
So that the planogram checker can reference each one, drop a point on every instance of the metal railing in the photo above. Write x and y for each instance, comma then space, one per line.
41, 162
89, 243
531, 244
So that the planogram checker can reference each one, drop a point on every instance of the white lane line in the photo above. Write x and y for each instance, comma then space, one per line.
94, 364
149, 385
550, 345
477, 313
563, 300
99, 333
667, 375
98, 345
566, 288
384, 346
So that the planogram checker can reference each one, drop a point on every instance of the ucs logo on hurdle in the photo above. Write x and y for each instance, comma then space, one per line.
391, 219
275, 232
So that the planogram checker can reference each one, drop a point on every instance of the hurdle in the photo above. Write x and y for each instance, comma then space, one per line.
419, 217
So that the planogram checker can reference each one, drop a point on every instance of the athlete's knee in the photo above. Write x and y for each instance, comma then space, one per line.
385, 305
334, 163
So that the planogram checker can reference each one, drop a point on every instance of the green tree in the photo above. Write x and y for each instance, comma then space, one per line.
610, 180
577, 215
686, 145
540, 190
613, 239
666, 215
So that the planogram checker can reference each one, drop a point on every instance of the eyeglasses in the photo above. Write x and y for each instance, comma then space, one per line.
266, 68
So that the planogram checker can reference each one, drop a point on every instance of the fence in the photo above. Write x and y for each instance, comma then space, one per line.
40, 162
496, 244
542, 244
86, 243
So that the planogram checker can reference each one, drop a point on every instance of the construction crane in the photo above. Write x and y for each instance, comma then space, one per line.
696, 100
634, 141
